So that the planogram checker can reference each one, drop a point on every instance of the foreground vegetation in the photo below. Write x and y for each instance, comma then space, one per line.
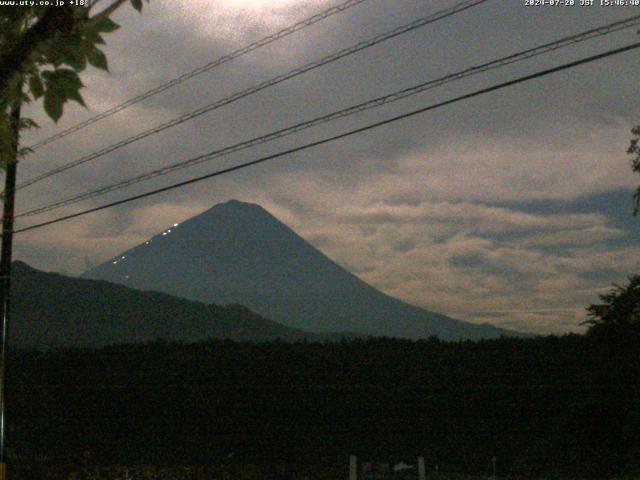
542, 406
231, 472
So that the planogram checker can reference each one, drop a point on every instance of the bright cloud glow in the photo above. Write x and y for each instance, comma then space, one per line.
232, 19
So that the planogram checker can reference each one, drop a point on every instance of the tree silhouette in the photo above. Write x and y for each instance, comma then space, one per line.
634, 149
619, 313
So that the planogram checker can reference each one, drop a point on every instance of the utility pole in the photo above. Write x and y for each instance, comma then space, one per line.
5, 263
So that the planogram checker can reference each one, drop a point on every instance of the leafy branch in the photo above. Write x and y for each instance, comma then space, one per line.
42, 52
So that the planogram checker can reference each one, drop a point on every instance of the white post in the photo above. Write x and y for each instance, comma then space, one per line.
421, 470
353, 467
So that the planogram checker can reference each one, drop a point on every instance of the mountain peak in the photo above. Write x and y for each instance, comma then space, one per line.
233, 209
236, 206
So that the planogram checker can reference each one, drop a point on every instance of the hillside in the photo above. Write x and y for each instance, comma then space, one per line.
239, 253
51, 310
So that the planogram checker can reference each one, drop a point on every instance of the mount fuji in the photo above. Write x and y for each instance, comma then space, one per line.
238, 253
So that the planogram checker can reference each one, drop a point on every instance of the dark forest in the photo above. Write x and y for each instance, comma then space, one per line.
541, 406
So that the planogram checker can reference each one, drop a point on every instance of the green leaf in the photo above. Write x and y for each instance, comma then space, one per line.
72, 51
74, 58
137, 4
75, 96
53, 103
98, 59
36, 87
91, 34
106, 25
65, 79
62, 84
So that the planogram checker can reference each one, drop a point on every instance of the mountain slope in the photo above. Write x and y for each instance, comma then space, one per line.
51, 310
239, 253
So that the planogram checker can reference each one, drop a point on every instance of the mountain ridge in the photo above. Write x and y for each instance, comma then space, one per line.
50, 310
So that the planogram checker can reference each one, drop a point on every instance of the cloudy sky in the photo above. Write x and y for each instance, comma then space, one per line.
512, 208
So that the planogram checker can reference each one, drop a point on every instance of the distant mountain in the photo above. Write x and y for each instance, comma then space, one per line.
51, 310
239, 253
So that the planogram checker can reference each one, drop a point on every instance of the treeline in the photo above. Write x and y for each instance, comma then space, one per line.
552, 405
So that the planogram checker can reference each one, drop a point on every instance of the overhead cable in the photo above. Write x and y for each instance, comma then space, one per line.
352, 110
349, 133
204, 68
416, 24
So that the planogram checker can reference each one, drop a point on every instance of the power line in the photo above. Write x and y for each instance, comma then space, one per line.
349, 133
416, 24
202, 69
383, 100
